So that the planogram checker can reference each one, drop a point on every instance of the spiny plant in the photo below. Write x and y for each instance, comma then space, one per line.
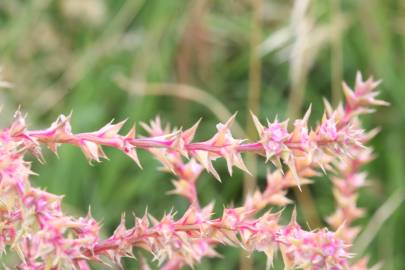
33, 225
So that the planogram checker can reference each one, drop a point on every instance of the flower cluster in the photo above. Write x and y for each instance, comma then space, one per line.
33, 225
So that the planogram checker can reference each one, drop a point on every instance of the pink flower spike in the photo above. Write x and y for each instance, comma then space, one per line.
33, 225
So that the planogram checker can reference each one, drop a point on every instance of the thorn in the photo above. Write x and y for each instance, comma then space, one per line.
258, 125
328, 107
359, 77
230, 120
131, 133
189, 133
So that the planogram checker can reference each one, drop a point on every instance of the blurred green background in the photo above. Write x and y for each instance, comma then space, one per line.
201, 58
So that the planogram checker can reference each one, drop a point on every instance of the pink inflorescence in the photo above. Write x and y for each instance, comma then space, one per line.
33, 225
